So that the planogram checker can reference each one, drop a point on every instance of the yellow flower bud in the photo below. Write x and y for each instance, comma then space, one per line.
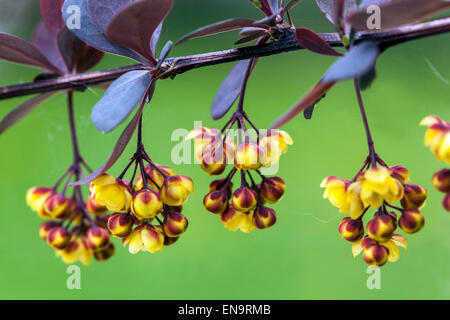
45, 228
216, 201
146, 204
57, 206
175, 224
36, 198
248, 156
97, 238
415, 196
411, 221
244, 199
381, 228
264, 217
441, 180
351, 229
273, 144
94, 207
112, 193
378, 186
58, 238
77, 250
376, 255
176, 190
105, 253
120, 224
272, 189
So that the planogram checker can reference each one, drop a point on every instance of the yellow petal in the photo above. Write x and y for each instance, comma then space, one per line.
356, 248
399, 240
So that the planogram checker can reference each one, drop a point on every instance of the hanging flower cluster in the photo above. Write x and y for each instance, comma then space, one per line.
437, 138
379, 187
245, 207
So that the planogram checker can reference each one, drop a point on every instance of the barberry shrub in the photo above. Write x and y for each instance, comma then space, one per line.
143, 205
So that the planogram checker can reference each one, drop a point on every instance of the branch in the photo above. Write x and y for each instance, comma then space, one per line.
178, 65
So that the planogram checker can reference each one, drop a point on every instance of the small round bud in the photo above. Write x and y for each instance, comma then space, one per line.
446, 202
105, 253
36, 198
381, 228
441, 180
248, 156
120, 224
216, 202
58, 238
351, 229
97, 238
244, 199
176, 190
168, 241
415, 196
175, 224
146, 204
57, 206
411, 221
152, 240
375, 255
219, 184
272, 189
214, 160
264, 217
45, 228
400, 173
94, 207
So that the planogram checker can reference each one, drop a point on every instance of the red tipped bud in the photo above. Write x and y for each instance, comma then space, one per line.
216, 201
351, 229
441, 180
176, 190
146, 204
415, 196
400, 173
264, 217
411, 221
375, 255
57, 206
214, 160
272, 189
36, 198
45, 228
168, 241
97, 238
58, 238
175, 224
381, 228
105, 253
120, 224
219, 184
248, 156
94, 207
244, 199
446, 202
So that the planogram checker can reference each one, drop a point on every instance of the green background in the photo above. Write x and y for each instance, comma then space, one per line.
302, 256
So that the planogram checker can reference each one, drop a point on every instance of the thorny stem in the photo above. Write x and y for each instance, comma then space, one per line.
370, 142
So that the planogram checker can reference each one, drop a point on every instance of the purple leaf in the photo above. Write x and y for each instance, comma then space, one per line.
134, 26
331, 10
88, 58
89, 32
164, 53
274, 5
313, 42
21, 111
120, 99
48, 46
308, 100
251, 37
52, 16
155, 38
292, 4
218, 27
102, 11
229, 90
359, 60
121, 144
366, 3
17, 50
394, 14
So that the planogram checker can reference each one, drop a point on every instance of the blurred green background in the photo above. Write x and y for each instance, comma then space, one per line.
302, 256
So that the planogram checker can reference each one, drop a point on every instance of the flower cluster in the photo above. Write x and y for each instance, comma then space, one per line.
437, 138
77, 229
157, 196
245, 207
377, 187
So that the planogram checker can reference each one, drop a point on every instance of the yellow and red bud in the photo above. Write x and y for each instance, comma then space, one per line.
216, 201
375, 254
175, 224
214, 160
264, 217
58, 238
381, 227
112, 193
415, 196
94, 207
57, 206
244, 199
248, 156
176, 190
105, 253
446, 202
400, 173
155, 176
152, 240
219, 184
120, 224
97, 238
411, 221
168, 241
234, 220
272, 189
76, 250
36, 198
441, 180
45, 228
351, 229
146, 204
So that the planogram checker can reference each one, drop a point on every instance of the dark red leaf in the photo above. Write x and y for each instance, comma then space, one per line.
17, 50
21, 111
251, 37
333, 9
52, 16
218, 27
134, 26
121, 144
312, 41
399, 13
308, 100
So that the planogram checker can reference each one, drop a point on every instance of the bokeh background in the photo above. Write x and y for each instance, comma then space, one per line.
302, 256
